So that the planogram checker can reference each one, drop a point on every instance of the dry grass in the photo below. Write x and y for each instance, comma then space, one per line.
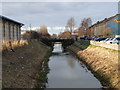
6, 45
102, 61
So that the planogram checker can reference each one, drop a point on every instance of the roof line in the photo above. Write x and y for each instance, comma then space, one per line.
105, 20
3, 17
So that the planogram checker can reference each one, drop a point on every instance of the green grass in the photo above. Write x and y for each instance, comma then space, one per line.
79, 43
93, 46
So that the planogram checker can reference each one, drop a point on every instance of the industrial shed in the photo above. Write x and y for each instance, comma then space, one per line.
11, 30
107, 27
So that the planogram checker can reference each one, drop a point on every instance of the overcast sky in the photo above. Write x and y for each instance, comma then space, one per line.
57, 13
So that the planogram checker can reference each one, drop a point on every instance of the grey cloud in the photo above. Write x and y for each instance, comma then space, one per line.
56, 14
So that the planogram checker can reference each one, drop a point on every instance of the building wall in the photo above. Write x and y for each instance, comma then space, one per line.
10, 30
0, 30
105, 29
19, 33
99, 30
6, 31
111, 28
115, 27
92, 32
15, 36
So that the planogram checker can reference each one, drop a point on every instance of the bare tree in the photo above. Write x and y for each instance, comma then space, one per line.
43, 30
71, 24
85, 23
66, 28
54, 36
89, 20
65, 35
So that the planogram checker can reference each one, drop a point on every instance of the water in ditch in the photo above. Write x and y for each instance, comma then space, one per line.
66, 71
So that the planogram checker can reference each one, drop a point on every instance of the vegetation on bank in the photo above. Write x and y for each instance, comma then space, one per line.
25, 61
103, 62
41, 77
87, 44
20, 68
8, 45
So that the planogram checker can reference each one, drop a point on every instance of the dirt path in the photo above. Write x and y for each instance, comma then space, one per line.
19, 68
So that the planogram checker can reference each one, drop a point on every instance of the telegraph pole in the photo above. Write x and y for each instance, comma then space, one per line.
30, 27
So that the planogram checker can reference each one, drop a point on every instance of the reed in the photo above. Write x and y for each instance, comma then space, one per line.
7, 45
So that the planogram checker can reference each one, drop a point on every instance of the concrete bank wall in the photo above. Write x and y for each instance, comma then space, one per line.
106, 45
103, 62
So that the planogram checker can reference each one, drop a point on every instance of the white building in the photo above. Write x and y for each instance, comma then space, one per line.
10, 29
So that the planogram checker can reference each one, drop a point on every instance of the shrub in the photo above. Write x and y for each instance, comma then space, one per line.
6, 45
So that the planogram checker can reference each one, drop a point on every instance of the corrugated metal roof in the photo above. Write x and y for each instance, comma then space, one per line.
3, 17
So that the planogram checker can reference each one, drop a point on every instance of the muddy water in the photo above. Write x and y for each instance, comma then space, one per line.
66, 71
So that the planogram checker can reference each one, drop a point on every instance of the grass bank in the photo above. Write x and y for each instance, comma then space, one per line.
20, 68
41, 77
102, 62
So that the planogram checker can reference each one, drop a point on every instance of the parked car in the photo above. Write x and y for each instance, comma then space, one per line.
100, 39
94, 38
115, 41
85, 37
107, 39
89, 38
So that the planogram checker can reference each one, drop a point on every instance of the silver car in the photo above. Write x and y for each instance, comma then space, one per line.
115, 41
108, 40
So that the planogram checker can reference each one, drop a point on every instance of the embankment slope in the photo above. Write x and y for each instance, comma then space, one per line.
103, 62
19, 68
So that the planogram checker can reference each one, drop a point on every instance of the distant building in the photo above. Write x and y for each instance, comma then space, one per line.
11, 30
109, 27
23, 31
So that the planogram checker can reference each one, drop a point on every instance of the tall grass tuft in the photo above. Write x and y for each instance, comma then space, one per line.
7, 45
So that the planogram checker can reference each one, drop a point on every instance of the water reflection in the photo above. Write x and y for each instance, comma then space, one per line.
66, 71
57, 48
70, 61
